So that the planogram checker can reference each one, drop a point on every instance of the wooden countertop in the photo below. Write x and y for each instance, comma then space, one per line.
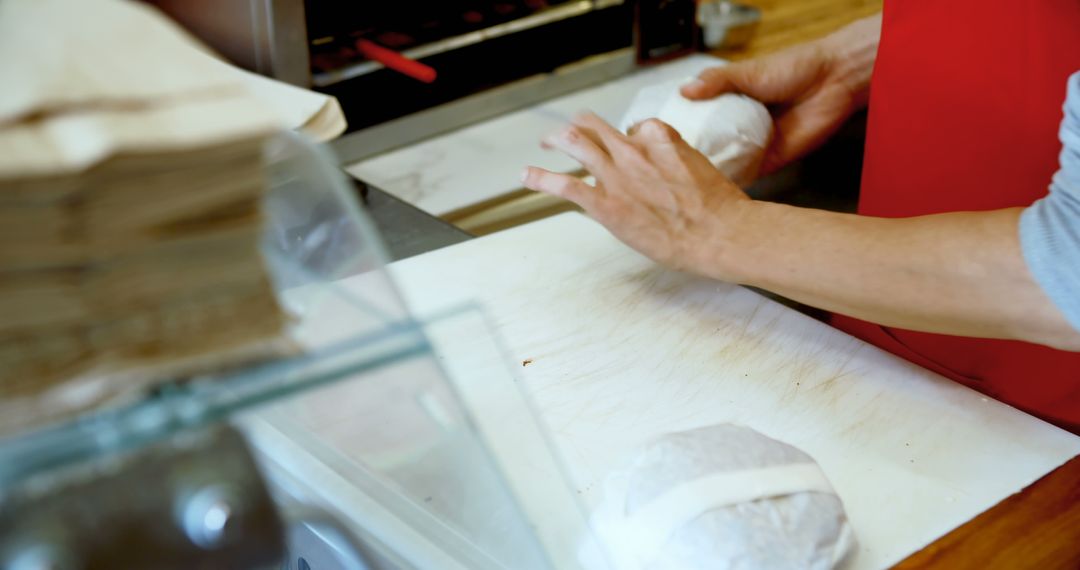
1038, 527
788, 22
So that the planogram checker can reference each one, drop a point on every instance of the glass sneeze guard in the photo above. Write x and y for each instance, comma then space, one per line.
414, 434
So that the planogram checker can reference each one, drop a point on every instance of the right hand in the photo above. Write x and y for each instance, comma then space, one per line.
653, 191
811, 89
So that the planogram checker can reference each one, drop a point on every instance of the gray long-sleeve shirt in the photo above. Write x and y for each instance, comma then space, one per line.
1050, 228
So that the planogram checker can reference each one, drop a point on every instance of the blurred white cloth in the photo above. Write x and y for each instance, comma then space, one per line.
733, 131
722, 496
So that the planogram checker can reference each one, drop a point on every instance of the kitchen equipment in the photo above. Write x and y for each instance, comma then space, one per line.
726, 25
490, 56
665, 30
396, 61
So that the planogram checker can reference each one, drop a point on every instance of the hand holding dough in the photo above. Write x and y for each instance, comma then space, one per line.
733, 131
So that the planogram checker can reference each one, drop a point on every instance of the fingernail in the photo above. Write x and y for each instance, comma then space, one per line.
693, 83
525, 175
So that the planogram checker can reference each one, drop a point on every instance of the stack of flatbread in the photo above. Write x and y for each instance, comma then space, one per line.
131, 174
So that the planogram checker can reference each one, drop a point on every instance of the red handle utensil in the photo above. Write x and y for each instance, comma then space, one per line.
396, 61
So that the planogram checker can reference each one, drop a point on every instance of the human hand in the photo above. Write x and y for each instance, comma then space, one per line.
811, 89
653, 191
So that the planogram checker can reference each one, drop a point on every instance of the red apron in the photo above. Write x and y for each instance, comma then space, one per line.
964, 115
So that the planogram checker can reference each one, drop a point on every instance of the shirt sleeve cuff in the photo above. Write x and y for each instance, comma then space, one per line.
1043, 247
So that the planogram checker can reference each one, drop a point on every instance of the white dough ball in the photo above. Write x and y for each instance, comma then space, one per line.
722, 496
733, 131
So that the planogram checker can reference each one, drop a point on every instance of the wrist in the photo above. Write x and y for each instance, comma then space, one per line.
721, 254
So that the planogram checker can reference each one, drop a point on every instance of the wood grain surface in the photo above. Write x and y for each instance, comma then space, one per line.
788, 22
1038, 527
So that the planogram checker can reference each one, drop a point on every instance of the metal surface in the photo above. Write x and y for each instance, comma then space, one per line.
194, 501
725, 24
548, 16
406, 230
267, 36
664, 29
271, 37
444, 118
319, 541
283, 49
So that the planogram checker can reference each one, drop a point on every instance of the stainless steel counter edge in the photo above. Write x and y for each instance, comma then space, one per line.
407, 230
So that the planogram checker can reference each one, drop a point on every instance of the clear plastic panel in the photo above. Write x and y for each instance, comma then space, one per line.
443, 442
394, 454
415, 434
441, 456
316, 233
511, 427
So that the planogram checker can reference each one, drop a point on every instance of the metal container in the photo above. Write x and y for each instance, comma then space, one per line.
725, 24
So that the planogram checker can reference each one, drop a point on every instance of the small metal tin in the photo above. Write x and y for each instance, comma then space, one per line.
725, 24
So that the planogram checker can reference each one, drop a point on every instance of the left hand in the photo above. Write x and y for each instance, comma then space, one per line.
653, 191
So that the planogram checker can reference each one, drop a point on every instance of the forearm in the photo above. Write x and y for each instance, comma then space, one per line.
958, 273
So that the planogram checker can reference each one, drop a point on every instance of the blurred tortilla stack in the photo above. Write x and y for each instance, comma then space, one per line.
131, 174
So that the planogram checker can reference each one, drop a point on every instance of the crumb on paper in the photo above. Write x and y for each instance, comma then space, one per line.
526, 362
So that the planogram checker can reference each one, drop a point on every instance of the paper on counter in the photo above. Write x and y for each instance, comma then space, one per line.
314, 114
115, 74
132, 169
